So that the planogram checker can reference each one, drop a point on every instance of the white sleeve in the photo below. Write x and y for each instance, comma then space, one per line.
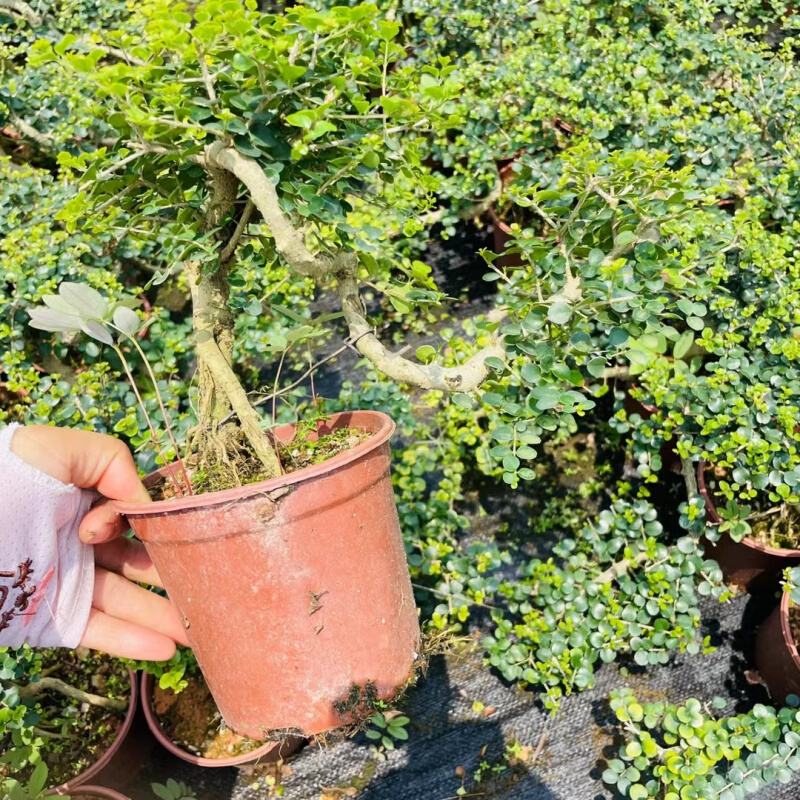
46, 572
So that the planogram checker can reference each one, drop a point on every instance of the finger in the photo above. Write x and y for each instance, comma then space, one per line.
101, 524
124, 639
124, 600
86, 459
129, 559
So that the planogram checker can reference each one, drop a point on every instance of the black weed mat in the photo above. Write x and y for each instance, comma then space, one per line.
447, 734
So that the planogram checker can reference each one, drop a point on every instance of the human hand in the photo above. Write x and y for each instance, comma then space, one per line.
126, 620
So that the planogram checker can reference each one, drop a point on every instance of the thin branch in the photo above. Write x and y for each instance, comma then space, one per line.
57, 685
266, 398
241, 226
27, 130
23, 10
464, 378
456, 597
117, 53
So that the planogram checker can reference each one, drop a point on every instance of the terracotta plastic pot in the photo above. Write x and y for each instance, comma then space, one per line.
295, 591
754, 566
777, 660
80, 780
502, 236
271, 751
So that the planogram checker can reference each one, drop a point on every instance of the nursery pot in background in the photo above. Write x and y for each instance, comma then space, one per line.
76, 784
271, 751
754, 566
295, 591
99, 792
777, 660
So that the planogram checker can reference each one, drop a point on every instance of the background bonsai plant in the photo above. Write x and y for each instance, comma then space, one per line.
60, 711
673, 751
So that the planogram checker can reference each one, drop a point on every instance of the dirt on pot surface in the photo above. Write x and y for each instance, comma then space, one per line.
192, 720
82, 732
241, 467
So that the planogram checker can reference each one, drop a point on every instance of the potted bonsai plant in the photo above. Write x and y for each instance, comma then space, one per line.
183, 717
737, 422
777, 658
64, 715
300, 577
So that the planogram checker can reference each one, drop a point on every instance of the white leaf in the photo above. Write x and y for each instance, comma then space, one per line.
97, 331
58, 304
126, 320
45, 319
86, 301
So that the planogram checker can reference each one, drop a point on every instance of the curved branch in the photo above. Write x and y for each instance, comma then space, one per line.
288, 241
344, 267
22, 9
465, 378
57, 685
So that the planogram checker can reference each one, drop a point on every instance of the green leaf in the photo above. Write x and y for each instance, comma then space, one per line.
426, 353
559, 313
38, 779
45, 319
637, 792
695, 323
463, 400
97, 331
596, 367
625, 238
684, 344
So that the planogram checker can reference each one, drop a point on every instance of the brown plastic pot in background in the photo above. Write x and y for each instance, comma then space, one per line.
754, 566
502, 236
79, 781
99, 792
295, 591
777, 660
271, 751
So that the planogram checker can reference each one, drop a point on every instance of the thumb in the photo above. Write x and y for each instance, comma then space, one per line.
90, 461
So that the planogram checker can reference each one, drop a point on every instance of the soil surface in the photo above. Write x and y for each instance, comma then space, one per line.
305, 450
794, 621
82, 732
773, 526
191, 719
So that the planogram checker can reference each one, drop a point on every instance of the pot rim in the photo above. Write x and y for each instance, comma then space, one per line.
379, 437
100, 792
503, 226
147, 686
80, 780
711, 509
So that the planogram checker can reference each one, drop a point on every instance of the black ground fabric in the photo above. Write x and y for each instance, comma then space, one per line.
446, 733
